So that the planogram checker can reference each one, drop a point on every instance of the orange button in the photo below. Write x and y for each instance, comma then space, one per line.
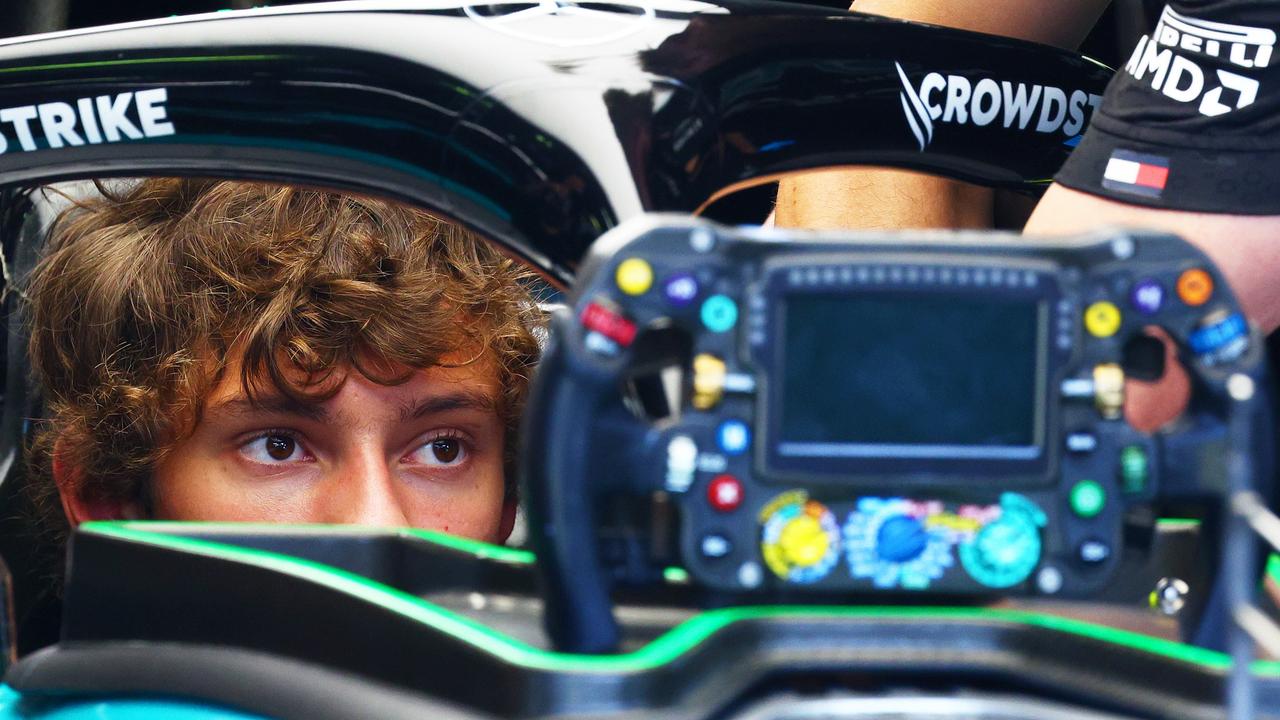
1195, 286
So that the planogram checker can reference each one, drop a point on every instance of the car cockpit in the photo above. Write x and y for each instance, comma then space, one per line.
766, 473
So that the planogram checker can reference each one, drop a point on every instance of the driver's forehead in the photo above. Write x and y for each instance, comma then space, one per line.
209, 270
346, 396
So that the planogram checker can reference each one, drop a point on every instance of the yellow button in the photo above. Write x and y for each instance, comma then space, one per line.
803, 541
1102, 319
634, 276
1195, 287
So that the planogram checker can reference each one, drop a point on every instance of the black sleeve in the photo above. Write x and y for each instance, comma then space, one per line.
1192, 120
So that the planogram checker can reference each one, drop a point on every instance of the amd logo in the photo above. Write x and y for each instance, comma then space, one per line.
1180, 60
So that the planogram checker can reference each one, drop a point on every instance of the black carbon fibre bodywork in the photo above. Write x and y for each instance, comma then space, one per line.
285, 637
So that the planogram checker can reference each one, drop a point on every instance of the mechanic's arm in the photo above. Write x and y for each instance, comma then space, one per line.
1245, 247
1063, 23
890, 198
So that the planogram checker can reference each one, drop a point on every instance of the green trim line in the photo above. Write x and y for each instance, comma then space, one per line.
481, 550
662, 650
140, 61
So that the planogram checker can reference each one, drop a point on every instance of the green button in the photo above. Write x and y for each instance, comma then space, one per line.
1088, 498
1133, 469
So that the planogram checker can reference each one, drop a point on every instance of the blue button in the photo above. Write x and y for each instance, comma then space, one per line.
680, 289
719, 313
733, 437
1216, 335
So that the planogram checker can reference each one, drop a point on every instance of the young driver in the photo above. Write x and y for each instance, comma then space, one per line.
232, 351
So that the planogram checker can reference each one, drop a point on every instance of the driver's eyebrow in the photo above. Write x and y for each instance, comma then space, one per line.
449, 401
272, 404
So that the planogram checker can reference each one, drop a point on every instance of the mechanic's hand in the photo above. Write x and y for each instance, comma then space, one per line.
1151, 405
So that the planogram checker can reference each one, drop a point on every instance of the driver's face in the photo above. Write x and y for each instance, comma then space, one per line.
427, 453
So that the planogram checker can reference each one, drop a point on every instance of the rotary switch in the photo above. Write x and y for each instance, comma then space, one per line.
800, 539
1005, 551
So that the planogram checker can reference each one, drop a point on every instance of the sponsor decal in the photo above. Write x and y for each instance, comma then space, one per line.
1137, 173
87, 121
1020, 106
1170, 61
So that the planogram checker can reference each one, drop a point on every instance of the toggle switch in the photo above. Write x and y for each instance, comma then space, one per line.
708, 381
1108, 390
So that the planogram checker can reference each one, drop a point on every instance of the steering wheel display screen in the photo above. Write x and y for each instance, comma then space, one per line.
910, 376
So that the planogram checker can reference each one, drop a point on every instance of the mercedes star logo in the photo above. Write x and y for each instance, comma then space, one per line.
563, 22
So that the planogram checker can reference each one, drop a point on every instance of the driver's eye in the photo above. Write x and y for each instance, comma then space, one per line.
446, 450
440, 452
280, 447
273, 448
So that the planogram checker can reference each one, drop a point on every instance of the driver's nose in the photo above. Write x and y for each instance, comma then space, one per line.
363, 493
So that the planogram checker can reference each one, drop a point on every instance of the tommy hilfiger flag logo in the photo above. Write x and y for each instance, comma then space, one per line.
1136, 173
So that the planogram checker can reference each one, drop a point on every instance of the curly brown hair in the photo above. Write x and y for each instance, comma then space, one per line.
145, 292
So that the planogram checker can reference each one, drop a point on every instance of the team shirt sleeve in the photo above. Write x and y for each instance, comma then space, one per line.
1192, 120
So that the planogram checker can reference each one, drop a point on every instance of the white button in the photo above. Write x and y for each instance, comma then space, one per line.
1094, 551
715, 546
599, 344
682, 460
1078, 388
1049, 580
702, 240
1082, 442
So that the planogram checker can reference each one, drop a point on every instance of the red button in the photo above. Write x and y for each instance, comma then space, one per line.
608, 323
724, 493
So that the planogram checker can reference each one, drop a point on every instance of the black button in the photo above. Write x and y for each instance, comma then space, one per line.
1093, 552
715, 545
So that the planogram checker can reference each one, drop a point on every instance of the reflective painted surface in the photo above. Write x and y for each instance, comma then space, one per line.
542, 123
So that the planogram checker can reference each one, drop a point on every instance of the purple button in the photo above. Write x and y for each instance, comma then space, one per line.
681, 289
1147, 296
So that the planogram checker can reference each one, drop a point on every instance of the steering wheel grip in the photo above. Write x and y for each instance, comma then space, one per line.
571, 390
